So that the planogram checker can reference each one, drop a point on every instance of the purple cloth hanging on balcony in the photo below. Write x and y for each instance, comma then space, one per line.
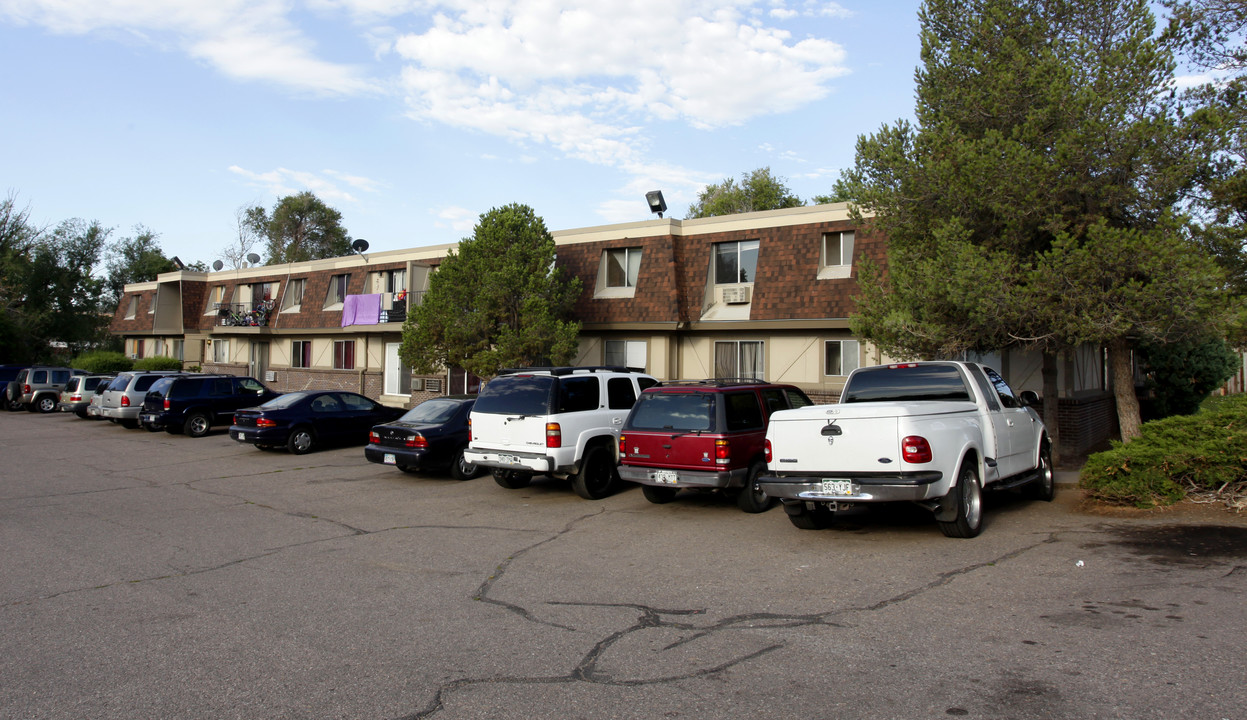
361, 310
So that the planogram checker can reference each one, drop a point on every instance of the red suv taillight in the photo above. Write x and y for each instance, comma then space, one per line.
554, 435
768, 452
166, 403
623, 442
75, 397
722, 452
125, 401
470, 438
916, 449
25, 389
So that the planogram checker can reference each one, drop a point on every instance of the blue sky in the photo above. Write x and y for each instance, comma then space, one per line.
412, 117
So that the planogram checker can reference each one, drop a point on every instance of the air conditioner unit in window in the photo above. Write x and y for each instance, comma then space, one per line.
737, 295
134, 356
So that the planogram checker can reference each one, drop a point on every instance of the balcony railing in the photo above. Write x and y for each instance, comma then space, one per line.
244, 314
399, 312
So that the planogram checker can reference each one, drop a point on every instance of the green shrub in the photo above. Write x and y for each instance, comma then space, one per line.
1205, 452
158, 362
102, 361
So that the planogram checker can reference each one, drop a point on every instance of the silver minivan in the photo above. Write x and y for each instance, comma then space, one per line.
123, 400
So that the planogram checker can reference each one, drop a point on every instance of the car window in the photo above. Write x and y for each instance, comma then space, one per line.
326, 404
516, 395
39, 376
247, 386
285, 401
222, 386
646, 382
73, 385
431, 411
145, 382
1003, 391
619, 393
577, 394
796, 398
60, 377
357, 402
774, 399
683, 411
743, 411
163, 386
120, 382
905, 382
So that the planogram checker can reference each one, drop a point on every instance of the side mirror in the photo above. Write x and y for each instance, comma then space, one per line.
1030, 399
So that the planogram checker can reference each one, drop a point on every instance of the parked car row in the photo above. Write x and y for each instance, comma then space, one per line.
963, 429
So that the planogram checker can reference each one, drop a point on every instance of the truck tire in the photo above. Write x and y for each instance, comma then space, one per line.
820, 518
597, 477
197, 425
512, 479
45, 403
751, 499
658, 495
1044, 487
968, 497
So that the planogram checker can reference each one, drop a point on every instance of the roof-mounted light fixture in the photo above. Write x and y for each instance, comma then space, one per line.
656, 203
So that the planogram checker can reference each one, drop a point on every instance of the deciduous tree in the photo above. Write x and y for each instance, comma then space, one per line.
758, 190
300, 228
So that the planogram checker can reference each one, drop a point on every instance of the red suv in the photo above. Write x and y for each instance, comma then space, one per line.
703, 435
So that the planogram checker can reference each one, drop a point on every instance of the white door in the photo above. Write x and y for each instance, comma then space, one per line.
397, 375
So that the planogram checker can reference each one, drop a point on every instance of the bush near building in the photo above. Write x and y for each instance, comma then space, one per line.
102, 361
1200, 456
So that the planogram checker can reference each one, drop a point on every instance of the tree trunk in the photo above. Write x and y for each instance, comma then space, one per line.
1051, 403
1123, 390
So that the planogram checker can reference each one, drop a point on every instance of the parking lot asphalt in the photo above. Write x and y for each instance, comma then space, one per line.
146, 575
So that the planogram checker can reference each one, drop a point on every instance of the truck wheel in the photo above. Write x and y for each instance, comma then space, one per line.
461, 469
820, 518
46, 404
751, 499
597, 477
968, 497
658, 495
1044, 486
197, 425
512, 479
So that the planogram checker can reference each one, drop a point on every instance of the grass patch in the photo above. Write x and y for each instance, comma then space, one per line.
1201, 456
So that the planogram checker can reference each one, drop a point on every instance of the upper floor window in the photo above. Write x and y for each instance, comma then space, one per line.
735, 262
261, 291
837, 260
133, 309
292, 301
216, 296
622, 267
395, 280
336, 294
151, 307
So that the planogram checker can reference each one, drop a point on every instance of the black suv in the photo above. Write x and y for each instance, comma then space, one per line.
194, 403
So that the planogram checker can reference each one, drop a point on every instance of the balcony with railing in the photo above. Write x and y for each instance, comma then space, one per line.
398, 309
254, 314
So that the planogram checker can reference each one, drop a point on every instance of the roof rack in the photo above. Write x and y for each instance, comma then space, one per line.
568, 370
713, 382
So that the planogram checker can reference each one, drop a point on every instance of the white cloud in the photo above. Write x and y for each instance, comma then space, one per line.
326, 185
456, 218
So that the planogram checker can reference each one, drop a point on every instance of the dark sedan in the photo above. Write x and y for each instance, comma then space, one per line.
430, 436
307, 419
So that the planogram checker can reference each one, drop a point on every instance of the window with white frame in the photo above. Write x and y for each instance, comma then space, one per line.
626, 353
216, 296
739, 359
623, 265
343, 354
292, 301
301, 353
735, 262
151, 307
220, 351
336, 295
840, 357
395, 281
179, 349
837, 260
133, 309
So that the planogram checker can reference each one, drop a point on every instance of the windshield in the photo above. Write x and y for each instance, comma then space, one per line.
673, 411
906, 382
516, 395
432, 412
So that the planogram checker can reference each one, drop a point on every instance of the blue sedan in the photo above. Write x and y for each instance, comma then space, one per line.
307, 419
431, 436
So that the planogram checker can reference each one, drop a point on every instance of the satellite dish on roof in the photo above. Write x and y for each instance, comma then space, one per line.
217, 265
359, 245
253, 258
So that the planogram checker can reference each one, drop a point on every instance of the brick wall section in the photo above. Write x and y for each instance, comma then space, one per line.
1086, 423
657, 297
788, 262
194, 298
143, 321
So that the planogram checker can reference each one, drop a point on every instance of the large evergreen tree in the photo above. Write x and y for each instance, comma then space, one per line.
1043, 133
499, 301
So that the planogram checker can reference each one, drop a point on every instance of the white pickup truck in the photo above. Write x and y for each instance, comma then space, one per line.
933, 433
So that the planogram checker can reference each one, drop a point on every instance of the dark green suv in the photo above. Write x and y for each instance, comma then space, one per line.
194, 403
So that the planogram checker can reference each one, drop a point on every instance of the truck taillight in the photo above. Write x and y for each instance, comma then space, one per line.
722, 452
916, 449
166, 403
554, 435
768, 452
125, 401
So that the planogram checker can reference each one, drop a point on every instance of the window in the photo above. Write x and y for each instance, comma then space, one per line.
395, 281
179, 349
261, 291
837, 248
220, 351
622, 267
216, 296
626, 353
158, 347
133, 309
357, 403
151, 307
735, 262
293, 299
619, 393
577, 394
337, 291
839, 357
1007, 398
738, 359
301, 354
743, 412
343, 354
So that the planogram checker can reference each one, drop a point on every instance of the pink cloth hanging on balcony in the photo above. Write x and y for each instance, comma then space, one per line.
361, 310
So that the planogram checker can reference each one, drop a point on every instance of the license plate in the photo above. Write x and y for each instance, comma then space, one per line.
838, 487
149, 418
509, 459
242, 437
665, 477
389, 459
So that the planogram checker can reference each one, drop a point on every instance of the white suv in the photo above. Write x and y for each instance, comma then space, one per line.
562, 422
